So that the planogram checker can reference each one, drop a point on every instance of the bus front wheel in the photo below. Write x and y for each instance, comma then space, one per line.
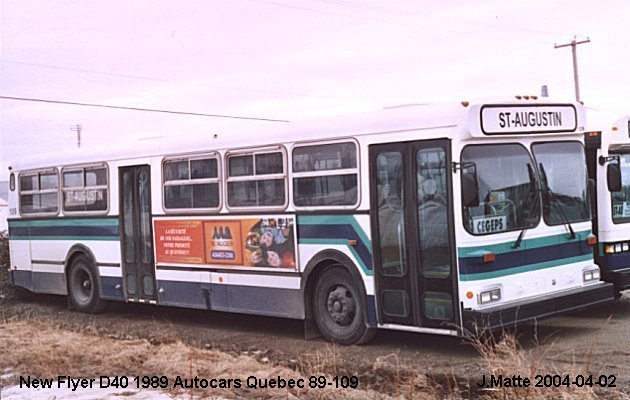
339, 308
83, 286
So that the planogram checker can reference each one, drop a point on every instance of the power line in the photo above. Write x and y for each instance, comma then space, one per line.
72, 103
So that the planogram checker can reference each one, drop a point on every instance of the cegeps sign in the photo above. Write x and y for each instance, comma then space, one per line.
533, 119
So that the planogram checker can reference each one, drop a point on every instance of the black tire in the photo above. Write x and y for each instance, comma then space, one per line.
83, 288
339, 307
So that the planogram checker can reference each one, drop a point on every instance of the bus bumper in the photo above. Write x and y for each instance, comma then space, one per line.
494, 318
619, 278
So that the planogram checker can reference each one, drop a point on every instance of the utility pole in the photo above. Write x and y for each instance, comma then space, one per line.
573, 45
77, 129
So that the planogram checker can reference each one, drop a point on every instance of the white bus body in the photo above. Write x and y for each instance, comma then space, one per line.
441, 219
608, 157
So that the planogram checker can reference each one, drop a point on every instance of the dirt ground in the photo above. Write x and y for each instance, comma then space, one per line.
595, 342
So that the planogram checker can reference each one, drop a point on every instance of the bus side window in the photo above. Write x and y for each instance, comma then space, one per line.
256, 179
191, 183
325, 175
85, 189
39, 192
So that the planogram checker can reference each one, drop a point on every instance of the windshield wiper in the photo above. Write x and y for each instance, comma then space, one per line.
554, 200
519, 239
535, 201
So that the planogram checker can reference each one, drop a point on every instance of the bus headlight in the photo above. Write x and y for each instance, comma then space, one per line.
590, 275
489, 296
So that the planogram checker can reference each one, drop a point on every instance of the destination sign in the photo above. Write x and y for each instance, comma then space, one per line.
535, 119
621, 209
83, 196
489, 224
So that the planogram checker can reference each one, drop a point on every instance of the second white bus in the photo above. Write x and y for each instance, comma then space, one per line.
608, 158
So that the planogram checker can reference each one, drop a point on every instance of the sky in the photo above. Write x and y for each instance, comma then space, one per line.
285, 60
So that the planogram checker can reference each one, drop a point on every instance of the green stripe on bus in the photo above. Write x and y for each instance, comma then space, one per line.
524, 268
336, 220
343, 242
74, 238
105, 221
506, 247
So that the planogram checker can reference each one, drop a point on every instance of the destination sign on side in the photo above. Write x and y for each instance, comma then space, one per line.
489, 224
506, 120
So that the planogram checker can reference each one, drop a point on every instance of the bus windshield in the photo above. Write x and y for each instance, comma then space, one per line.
507, 189
562, 167
621, 199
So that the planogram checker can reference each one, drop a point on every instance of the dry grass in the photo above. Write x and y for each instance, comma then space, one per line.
33, 347
5, 261
386, 375
36, 349
505, 356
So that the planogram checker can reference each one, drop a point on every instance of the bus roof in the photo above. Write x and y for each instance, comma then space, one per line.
615, 135
459, 117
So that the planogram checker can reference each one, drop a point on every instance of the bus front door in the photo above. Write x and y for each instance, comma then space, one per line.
136, 234
412, 234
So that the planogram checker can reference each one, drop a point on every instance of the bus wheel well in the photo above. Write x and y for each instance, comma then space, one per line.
315, 273
311, 279
76, 251
316, 267
83, 281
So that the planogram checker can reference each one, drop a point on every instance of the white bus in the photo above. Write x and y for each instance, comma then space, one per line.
608, 159
441, 219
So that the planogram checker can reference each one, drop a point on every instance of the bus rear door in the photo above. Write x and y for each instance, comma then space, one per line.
136, 234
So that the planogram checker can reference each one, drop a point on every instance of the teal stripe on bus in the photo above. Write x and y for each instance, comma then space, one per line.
524, 268
104, 229
74, 238
339, 242
105, 221
337, 230
506, 247
336, 220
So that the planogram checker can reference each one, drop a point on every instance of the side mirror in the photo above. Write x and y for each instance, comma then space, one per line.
470, 189
613, 177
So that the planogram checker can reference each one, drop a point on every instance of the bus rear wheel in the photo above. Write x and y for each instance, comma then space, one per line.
83, 286
339, 307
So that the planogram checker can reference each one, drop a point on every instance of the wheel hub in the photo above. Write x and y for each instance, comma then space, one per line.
341, 306
83, 286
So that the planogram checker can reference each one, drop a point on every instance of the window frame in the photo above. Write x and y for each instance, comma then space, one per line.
529, 152
192, 157
329, 172
542, 200
622, 220
255, 178
83, 168
37, 172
